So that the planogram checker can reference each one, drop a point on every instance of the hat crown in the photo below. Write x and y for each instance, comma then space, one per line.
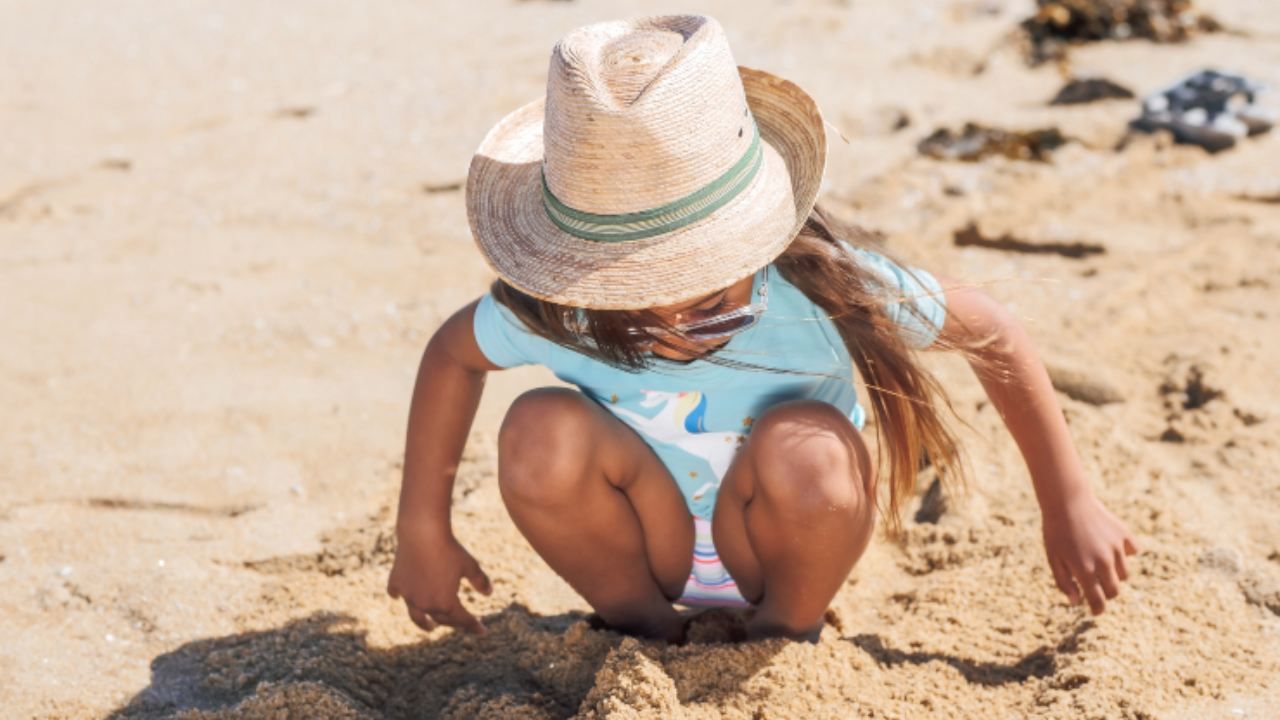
642, 112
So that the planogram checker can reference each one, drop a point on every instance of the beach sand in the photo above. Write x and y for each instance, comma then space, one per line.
227, 230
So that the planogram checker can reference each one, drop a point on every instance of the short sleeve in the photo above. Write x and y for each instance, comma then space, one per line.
503, 338
914, 285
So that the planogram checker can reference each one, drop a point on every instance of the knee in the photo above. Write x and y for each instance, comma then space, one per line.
543, 444
809, 457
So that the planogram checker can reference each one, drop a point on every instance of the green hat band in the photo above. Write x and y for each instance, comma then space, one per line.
664, 219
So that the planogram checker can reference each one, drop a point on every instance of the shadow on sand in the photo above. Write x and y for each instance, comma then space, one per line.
1040, 663
323, 666
526, 666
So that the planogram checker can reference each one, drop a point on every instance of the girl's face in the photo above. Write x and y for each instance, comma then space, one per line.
710, 305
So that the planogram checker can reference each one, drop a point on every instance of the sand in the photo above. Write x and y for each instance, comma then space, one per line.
228, 228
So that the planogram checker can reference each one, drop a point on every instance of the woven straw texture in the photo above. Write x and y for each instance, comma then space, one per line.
643, 114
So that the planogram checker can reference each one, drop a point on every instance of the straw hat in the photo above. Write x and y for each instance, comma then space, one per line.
655, 169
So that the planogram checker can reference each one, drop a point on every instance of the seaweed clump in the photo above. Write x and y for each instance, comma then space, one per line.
1059, 24
975, 142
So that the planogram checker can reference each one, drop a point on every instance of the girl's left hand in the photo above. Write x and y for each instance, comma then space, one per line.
1084, 541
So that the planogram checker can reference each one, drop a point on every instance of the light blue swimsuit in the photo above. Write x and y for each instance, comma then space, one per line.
696, 415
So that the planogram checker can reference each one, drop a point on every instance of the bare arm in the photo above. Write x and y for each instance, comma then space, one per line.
446, 394
429, 561
1025, 398
1082, 538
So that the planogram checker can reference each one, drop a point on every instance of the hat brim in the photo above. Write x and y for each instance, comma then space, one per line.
526, 249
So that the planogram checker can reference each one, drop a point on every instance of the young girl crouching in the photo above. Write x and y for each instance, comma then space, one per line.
655, 228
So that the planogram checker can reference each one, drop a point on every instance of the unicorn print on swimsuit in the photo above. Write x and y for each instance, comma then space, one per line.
680, 422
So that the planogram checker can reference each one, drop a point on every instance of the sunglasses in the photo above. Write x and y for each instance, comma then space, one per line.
709, 327
726, 324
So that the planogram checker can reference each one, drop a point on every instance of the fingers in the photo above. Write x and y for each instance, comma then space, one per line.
1062, 577
1089, 577
392, 589
1121, 571
1092, 593
459, 617
1097, 582
420, 618
1130, 546
456, 616
478, 580
1106, 575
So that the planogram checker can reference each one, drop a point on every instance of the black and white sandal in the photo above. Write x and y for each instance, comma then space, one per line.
1208, 108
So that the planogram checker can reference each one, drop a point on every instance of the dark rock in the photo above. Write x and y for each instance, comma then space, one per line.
1087, 90
1083, 385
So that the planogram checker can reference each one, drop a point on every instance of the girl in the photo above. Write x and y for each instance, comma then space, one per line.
654, 226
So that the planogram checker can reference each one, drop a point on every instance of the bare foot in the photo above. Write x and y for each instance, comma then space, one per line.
762, 626
668, 627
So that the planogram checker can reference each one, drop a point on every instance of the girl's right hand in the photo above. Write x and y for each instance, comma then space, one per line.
426, 574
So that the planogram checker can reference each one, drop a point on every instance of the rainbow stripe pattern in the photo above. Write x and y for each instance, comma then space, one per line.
709, 584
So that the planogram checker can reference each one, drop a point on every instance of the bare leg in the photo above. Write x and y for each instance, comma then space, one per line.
794, 513
599, 507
